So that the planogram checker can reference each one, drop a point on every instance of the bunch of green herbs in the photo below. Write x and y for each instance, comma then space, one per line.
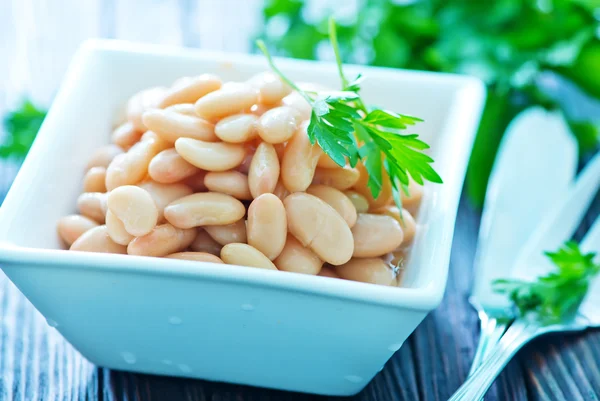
507, 43
558, 294
348, 131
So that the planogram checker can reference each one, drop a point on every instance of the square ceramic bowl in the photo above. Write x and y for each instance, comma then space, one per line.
215, 322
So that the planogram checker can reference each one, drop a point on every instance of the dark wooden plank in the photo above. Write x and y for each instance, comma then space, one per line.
36, 363
444, 343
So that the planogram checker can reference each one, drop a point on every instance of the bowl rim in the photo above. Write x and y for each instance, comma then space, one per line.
418, 298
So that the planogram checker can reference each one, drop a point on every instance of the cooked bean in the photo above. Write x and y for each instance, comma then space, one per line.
327, 271
225, 173
327, 162
196, 182
92, 205
298, 103
237, 128
141, 102
244, 166
337, 200
72, 227
168, 167
340, 178
130, 168
126, 135
94, 180
163, 194
406, 221
277, 125
299, 161
271, 88
116, 229
318, 226
189, 109
296, 258
230, 182
279, 149
259, 109
103, 156
151, 136
226, 101
163, 240
210, 156
135, 207
205, 243
370, 270
197, 256
97, 240
413, 201
171, 125
280, 191
385, 196
223, 235
204, 209
190, 89
245, 255
264, 170
375, 235
361, 204
409, 226
267, 225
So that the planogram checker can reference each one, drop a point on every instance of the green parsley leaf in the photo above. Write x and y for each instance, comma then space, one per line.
389, 119
558, 294
465, 37
347, 131
22, 126
354, 86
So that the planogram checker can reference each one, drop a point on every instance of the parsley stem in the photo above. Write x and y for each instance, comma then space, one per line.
361, 106
338, 58
261, 45
336, 50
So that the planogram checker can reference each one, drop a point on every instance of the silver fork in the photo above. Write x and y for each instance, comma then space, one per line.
538, 132
555, 229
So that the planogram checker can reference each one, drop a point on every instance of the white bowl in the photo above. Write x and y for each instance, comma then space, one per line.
225, 323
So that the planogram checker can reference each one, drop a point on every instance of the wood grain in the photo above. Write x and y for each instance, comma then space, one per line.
37, 40
36, 363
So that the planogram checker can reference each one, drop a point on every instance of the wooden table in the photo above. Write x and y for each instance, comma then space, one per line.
37, 39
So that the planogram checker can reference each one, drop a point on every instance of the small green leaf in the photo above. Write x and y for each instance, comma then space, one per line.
22, 126
333, 96
390, 119
558, 294
354, 85
373, 164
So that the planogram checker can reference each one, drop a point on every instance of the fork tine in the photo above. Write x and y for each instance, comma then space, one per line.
560, 224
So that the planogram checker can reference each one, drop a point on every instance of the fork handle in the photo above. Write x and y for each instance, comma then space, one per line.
490, 334
475, 387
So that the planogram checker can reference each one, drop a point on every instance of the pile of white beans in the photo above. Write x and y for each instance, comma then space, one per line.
225, 173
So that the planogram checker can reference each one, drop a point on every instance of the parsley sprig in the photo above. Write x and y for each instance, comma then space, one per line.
558, 294
348, 131
21, 127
